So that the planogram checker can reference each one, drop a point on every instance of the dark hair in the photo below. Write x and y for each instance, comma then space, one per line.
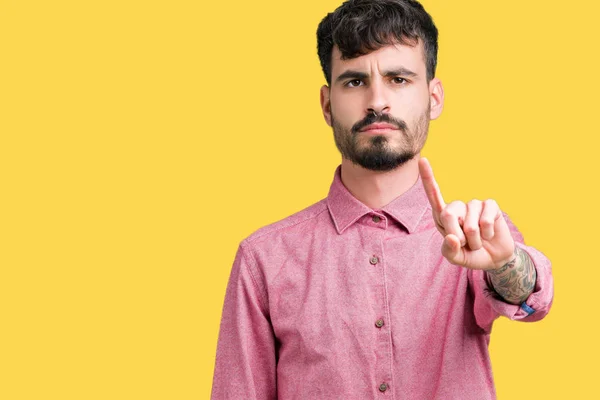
358, 27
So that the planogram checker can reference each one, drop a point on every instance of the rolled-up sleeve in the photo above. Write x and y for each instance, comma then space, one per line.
488, 305
245, 365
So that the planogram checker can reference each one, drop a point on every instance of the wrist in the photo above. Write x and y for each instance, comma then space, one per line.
508, 263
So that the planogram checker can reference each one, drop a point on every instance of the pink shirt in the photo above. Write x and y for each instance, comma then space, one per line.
340, 301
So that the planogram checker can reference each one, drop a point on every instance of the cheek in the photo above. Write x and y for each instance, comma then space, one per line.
411, 100
411, 109
345, 107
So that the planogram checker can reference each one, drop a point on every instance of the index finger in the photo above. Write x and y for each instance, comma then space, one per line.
431, 187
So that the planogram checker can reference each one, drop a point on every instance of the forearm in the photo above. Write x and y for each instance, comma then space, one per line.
515, 280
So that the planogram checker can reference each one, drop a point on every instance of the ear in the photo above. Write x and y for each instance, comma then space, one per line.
326, 103
436, 93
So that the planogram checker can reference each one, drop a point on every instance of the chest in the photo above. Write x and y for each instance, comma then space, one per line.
364, 277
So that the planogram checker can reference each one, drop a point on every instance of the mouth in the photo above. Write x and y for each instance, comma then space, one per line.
378, 128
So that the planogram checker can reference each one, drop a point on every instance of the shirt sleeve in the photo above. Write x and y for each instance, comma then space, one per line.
245, 364
488, 305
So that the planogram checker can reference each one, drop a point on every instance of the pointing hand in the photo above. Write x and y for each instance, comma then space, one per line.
475, 234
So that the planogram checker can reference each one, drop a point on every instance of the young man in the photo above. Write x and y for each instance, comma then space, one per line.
381, 289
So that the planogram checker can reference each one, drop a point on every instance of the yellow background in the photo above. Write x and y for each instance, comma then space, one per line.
141, 141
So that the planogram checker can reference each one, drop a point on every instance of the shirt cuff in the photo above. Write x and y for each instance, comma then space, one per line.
538, 304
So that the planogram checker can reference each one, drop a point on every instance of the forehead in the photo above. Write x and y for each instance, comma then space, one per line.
389, 56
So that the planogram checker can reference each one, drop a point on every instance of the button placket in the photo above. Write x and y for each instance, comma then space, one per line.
383, 345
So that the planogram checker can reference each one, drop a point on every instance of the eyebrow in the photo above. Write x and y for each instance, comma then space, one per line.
401, 71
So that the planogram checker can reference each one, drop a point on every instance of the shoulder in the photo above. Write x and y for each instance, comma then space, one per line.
292, 225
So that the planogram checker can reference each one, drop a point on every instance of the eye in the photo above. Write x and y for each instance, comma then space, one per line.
399, 80
353, 83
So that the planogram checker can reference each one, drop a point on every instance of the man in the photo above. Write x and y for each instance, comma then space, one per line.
381, 289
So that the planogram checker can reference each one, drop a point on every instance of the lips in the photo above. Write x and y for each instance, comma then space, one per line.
379, 126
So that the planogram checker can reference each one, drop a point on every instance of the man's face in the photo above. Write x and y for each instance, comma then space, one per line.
379, 105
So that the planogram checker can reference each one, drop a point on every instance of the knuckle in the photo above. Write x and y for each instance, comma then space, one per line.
446, 214
474, 203
486, 223
491, 203
456, 204
471, 230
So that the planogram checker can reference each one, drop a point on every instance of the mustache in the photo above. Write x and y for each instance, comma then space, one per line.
371, 119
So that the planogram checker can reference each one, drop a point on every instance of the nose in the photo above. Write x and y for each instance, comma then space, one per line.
378, 101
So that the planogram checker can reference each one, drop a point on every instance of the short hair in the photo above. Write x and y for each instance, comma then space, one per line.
358, 27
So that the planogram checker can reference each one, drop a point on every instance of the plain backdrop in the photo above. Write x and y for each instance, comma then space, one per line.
141, 141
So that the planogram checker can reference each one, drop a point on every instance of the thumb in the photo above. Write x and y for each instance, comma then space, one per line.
452, 250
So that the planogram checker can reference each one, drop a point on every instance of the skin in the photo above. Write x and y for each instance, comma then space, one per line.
477, 236
363, 91
406, 101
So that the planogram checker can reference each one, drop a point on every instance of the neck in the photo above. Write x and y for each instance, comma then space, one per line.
375, 189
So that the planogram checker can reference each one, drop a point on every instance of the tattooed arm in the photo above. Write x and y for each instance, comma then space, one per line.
515, 280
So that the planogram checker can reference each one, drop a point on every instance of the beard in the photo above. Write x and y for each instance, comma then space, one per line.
378, 154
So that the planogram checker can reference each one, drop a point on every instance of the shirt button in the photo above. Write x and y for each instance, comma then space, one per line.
376, 219
383, 387
379, 323
374, 260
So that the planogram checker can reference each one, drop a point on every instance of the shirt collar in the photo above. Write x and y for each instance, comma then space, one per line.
345, 209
